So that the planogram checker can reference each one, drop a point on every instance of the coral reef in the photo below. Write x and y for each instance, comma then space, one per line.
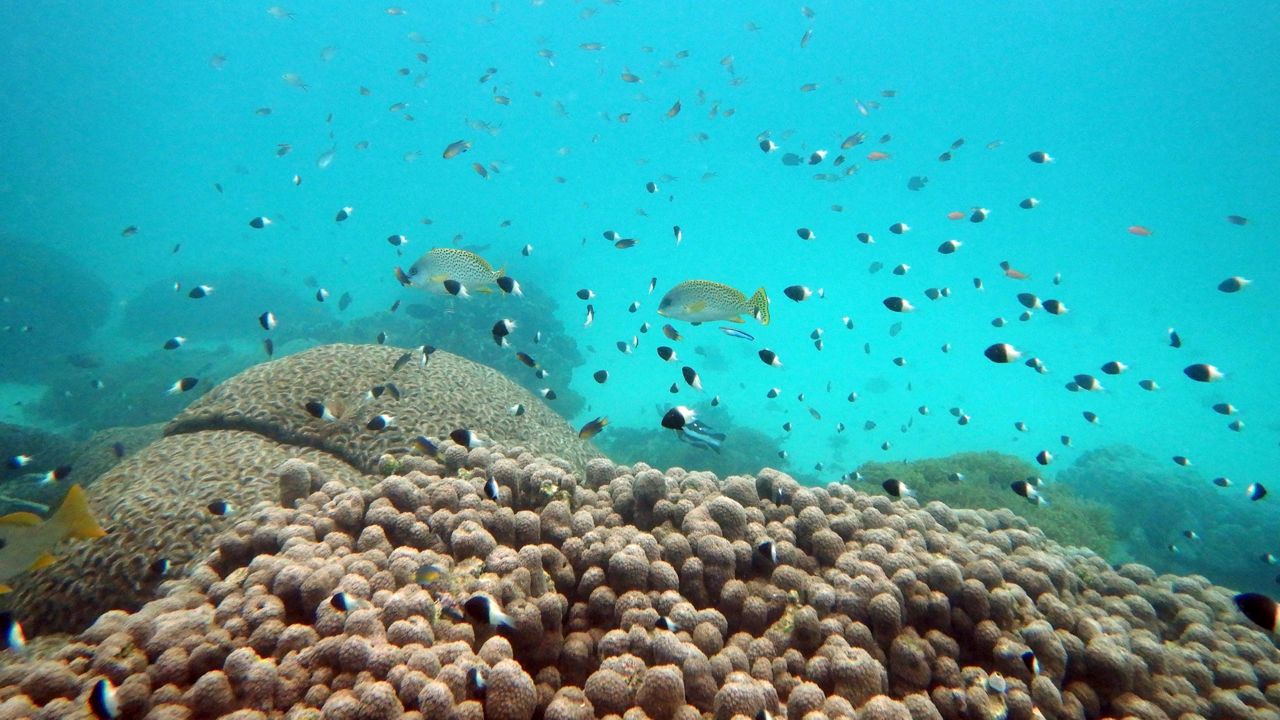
1068, 518
1160, 503
154, 508
627, 591
745, 449
448, 393
228, 446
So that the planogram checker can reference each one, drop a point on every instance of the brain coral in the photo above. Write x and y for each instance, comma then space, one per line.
449, 393
227, 446
324, 607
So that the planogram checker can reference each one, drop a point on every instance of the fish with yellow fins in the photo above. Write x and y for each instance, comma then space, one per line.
451, 271
26, 539
698, 301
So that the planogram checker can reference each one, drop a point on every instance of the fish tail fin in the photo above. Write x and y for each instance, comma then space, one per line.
74, 515
760, 306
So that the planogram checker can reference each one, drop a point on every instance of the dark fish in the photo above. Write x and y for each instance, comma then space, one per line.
117, 449
592, 428
601, 376
220, 508
1260, 610
103, 702
344, 302
182, 385
677, 417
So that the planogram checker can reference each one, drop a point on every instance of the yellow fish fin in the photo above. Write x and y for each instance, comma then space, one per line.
75, 516
438, 278
760, 306
483, 291
696, 306
20, 518
737, 319
5, 589
44, 561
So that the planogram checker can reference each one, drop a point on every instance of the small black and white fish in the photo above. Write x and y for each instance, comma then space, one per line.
466, 438
547, 393
1054, 307
343, 214
1233, 284
501, 330
769, 357
1039, 157
1087, 382
586, 294
601, 376
484, 609
897, 488
456, 289
1114, 367
898, 304
1028, 203
1031, 662
508, 285
1028, 490
397, 240
11, 635
805, 233
950, 246
259, 222
17, 462
1260, 610
200, 291
220, 508
667, 353
322, 295
1202, 372
174, 342
380, 422
103, 702
342, 602
267, 320
1175, 340
691, 377
1002, 353
61, 472
516, 410
899, 228
317, 409
160, 566
491, 489
677, 417
182, 385
665, 623
798, 293
476, 683
1255, 491
767, 550
591, 316
1044, 457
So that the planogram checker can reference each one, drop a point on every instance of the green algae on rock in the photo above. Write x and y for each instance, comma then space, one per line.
1068, 518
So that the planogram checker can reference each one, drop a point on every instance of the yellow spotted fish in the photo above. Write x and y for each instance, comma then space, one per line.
26, 539
436, 266
704, 301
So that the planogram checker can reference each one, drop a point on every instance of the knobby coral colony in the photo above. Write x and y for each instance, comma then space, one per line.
677, 593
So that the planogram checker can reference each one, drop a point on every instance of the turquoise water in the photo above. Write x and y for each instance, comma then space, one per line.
1159, 115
